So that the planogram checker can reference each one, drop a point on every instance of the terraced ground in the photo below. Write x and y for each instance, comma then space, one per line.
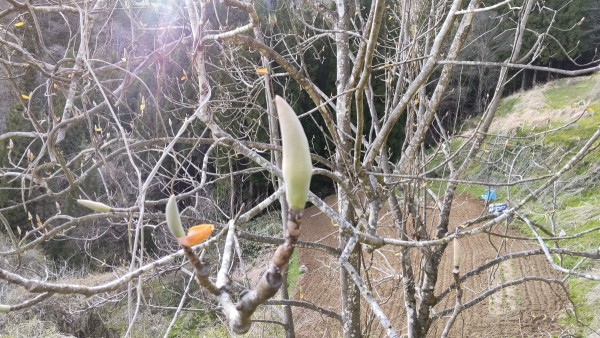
527, 310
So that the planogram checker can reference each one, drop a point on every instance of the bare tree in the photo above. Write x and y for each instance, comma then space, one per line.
125, 103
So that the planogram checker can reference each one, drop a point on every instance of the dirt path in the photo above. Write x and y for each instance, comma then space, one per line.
526, 310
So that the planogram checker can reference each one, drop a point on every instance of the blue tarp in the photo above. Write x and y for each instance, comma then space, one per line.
489, 195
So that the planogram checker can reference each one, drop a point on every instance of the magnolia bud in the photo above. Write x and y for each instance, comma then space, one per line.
456, 256
296, 163
173, 218
96, 206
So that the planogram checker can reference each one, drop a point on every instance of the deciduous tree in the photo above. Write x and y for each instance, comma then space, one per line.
136, 101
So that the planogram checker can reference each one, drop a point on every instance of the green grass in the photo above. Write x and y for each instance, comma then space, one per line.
589, 242
268, 224
575, 135
586, 312
594, 107
474, 191
582, 129
586, 198
191, 323
293, 273
507, 105
568, 95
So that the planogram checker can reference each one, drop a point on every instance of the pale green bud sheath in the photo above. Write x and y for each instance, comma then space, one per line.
173, 218
456, 249
96, 206
296, 162
4, 308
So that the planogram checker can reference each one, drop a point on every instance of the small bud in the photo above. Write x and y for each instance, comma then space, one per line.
196, 234
456, 256
96, 206
4, 308
297, 165
173, 218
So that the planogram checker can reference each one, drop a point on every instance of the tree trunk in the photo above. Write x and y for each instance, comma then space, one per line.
432, 261
349, 292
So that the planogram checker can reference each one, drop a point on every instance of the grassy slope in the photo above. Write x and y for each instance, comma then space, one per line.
570, 109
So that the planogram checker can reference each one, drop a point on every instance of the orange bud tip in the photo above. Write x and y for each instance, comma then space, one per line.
196, 235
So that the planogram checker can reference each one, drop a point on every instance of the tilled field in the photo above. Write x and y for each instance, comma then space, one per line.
529, 309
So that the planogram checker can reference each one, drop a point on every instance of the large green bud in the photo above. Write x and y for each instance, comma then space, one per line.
297, 166
173, 218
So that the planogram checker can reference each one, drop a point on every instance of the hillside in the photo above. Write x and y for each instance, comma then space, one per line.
555, 119
552, 119
535, 133
554, 102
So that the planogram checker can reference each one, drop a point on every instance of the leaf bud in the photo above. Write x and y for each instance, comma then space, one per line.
173, 218
96, 206
456, 252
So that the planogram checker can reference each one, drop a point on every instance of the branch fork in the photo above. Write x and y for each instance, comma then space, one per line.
297, 172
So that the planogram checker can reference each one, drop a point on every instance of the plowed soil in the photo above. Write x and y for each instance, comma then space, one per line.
526, 310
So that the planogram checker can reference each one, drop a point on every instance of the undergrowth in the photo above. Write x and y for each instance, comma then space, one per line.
507, 105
